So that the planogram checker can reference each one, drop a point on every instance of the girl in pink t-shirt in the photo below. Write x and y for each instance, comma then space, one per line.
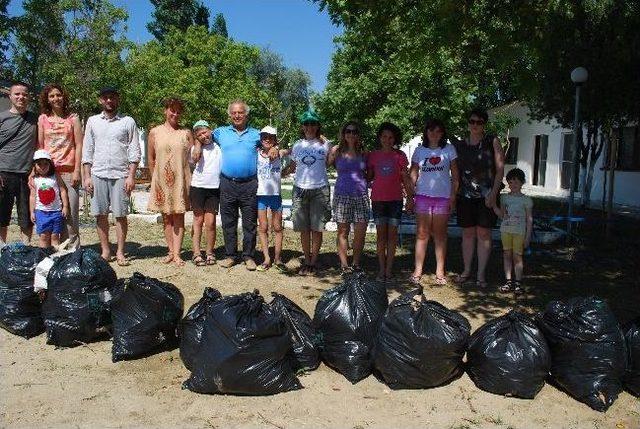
434, 172
387, 167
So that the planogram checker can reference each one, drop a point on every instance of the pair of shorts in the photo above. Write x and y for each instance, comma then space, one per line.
273, 202
109, 194
513, 242
473, 212
310, 208
387, 212
52, 222
14, 189
432, 205
351, 209
204, 199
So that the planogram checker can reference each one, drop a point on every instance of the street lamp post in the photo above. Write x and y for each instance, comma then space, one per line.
579, 75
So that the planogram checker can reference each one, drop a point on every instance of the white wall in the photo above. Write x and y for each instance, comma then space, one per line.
627, 183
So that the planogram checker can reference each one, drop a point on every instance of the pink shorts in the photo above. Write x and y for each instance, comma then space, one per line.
431, 205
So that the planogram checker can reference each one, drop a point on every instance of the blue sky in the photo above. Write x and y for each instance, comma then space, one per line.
293, 28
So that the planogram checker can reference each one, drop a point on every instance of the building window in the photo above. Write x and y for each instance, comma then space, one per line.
628, 148
512, 151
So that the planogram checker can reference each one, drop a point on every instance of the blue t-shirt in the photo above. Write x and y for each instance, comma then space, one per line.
239, 155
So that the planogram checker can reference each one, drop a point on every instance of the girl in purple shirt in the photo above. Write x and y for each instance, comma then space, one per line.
350, 197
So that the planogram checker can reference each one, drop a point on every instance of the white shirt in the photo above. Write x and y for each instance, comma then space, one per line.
206, 173
269, 175
434, 174
310, 157
47, 194
110, 145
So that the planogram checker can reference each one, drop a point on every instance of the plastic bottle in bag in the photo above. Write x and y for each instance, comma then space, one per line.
145, 314
420, 344
245, 350
509, 356
20, 308
347, 319
588, 350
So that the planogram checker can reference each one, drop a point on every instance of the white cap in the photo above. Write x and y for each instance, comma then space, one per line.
269, 130
41, 154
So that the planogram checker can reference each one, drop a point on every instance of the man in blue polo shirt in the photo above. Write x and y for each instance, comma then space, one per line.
238, 184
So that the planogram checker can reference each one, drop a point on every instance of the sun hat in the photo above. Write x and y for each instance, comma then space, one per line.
41, 154
201, 123
269, 130
309, 116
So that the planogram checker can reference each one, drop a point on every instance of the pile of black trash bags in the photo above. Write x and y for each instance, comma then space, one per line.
241, 344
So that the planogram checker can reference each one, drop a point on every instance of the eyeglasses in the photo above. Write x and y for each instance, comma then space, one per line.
351, 131
475, 122
310, 124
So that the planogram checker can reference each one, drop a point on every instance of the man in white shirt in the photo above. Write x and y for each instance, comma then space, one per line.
111, 153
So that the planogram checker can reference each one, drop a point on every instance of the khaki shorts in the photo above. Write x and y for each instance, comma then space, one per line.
512, 242
310, 208
109, 193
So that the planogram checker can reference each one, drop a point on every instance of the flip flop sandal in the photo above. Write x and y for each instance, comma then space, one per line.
415, 280
198, 261
442, 281
517, 288
122, 262
507, 287
211, 259
263, 267
461, 279
280, 267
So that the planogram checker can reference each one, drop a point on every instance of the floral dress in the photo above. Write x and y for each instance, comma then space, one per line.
171, 175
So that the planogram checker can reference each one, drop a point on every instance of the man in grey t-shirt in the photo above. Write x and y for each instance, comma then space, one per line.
18, 139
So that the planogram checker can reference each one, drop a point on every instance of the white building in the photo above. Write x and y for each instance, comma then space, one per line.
543, 150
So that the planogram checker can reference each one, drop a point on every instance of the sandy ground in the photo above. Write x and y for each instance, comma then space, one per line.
42, 386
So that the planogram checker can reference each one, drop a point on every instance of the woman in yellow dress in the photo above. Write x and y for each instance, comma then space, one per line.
169, 146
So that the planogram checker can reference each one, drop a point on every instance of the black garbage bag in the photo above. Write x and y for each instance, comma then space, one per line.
300, 327
632, 378
509, 356
420, 344
347, 319
191, 326
145, 314
76, 309
588, 350
245, 350
20, 308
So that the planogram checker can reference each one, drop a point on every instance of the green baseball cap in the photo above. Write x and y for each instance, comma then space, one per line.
201, 123
309, 116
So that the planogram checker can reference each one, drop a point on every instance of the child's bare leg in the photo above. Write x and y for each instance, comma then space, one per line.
263, 234
44, 240
381, 247
518, 266
55, 240
210, 225
198, 221
276, 223
507, 263
392, 241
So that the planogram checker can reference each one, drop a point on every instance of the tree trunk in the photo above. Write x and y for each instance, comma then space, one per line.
594, 150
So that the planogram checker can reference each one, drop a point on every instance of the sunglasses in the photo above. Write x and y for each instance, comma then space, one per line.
351, 131
475, 122
310, 124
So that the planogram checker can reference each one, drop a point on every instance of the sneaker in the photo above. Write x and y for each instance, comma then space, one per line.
227, 262
250, 264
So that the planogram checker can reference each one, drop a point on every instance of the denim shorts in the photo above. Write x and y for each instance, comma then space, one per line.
387, 212
52, 222
273, 202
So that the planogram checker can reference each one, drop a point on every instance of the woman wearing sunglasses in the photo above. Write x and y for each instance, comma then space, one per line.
481, 163
350, 197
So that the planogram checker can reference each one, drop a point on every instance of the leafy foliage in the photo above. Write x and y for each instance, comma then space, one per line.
179, 14
219, 26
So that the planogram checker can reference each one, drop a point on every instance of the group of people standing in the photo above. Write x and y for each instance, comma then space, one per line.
236, 170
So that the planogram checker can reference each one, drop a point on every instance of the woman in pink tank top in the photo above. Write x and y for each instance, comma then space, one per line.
60, 134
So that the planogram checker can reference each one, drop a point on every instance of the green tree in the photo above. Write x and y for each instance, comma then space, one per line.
5, 31
180, 14
219, 26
